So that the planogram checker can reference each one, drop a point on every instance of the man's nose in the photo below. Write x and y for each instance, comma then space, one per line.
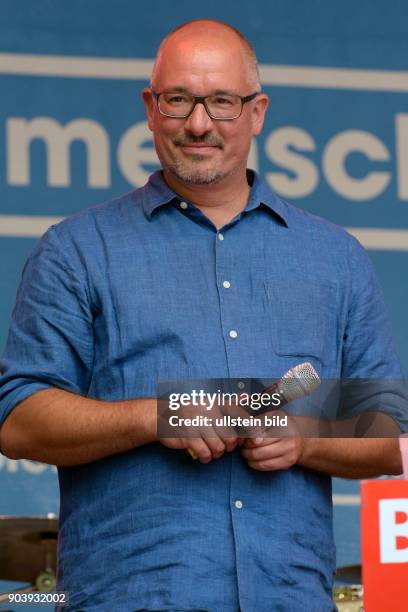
199, 121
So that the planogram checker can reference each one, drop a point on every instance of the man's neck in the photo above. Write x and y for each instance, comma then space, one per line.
220, 202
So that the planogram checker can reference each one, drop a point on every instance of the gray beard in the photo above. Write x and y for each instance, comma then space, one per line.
194, 175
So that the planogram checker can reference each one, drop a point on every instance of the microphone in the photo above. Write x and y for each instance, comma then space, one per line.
298, 382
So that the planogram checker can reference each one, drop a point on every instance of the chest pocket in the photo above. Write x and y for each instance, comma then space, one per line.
302, 317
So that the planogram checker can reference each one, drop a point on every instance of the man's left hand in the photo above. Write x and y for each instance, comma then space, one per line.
266, 454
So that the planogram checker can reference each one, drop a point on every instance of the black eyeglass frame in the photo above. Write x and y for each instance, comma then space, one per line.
201, 100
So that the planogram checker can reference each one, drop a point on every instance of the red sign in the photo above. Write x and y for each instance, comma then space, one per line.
384, 531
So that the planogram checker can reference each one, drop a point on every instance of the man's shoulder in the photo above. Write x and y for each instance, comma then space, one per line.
112, 205
309, 227
112, 213
304, 225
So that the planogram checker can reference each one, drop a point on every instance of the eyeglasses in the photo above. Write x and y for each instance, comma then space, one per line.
180, 105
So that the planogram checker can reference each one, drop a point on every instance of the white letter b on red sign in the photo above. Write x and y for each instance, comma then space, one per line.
393, 514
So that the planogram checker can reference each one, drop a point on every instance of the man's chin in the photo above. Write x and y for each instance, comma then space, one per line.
195, 176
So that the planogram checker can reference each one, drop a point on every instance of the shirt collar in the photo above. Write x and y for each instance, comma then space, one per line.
261, 194
157, 193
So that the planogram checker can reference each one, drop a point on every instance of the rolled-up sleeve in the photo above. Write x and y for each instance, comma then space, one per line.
368, 350
50, 339
371, 375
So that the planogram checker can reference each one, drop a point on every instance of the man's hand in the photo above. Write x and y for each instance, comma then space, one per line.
266, 454
205, 442
205, 449
274, 448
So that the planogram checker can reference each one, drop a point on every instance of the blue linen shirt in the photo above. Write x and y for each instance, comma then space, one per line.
132, 291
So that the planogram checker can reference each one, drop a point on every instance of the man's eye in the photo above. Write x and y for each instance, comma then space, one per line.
222, 101
177, 99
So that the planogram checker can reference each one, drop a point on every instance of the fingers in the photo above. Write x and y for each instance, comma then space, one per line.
216, 446
256, 441
230, 443
271, 465
219, 445
220, 440
207, 448
268, 448
272, 453
198, 449
204, 448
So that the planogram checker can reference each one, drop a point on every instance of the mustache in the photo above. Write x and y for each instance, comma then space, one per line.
192, 140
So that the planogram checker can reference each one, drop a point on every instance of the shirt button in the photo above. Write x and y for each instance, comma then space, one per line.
183, 205
241, 385
220, 236
233, 333
238, 504
226, 284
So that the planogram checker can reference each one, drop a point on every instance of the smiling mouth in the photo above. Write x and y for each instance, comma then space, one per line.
198, 148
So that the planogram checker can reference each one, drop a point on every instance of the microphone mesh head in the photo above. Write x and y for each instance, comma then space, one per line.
299, 381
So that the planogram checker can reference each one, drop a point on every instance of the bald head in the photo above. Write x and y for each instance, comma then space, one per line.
208, 34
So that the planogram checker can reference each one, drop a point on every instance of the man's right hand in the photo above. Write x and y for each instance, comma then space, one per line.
205, 449
204, 443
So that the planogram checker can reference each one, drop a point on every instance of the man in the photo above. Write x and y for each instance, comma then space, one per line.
202, 273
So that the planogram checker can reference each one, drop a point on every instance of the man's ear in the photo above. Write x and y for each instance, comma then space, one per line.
149, 104
260, 105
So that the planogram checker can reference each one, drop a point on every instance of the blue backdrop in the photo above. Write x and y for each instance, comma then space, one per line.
73, 133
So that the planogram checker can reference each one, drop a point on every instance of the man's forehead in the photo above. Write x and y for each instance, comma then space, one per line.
201, 48
183, 60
